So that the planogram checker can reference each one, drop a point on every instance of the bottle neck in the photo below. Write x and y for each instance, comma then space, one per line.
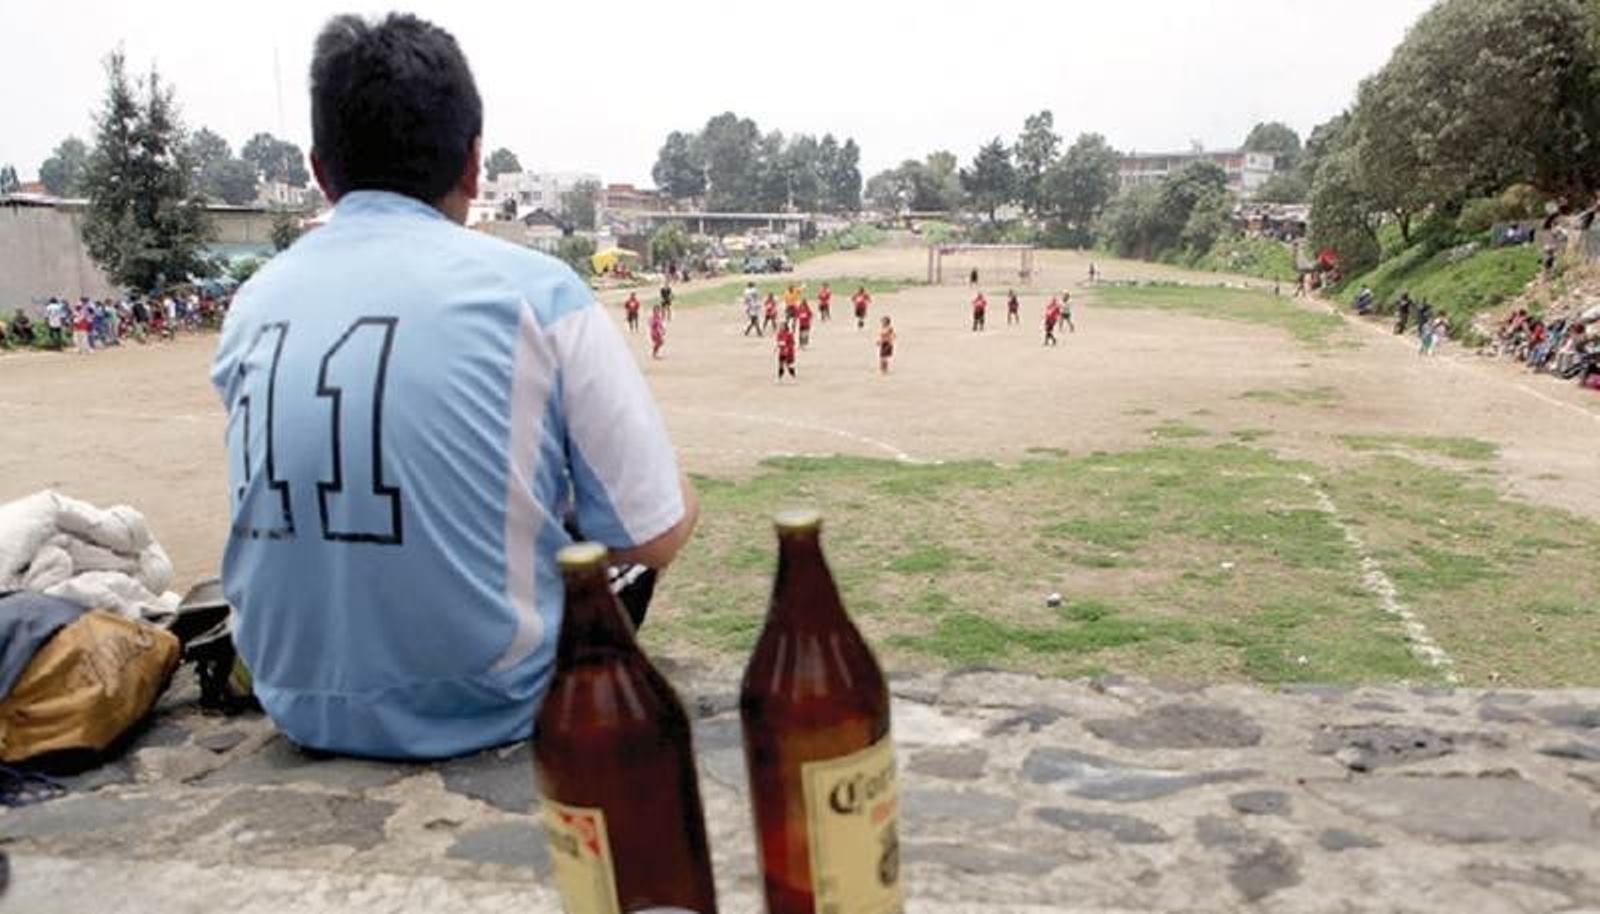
804, 592
592, 621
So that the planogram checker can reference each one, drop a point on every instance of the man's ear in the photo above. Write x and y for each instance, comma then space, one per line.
468, 185
322, 180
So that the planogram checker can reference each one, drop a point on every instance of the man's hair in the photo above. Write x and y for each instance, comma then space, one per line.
393, 106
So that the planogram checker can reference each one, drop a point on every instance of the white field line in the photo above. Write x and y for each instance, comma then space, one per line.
1378, 582
884, 446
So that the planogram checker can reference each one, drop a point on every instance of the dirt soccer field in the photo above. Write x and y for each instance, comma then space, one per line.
1219, 483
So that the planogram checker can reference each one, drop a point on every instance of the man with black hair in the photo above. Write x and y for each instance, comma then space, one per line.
412, 410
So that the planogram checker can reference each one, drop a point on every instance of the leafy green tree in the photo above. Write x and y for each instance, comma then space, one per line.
577, 250
1284, 187
802, 162
1325, 138
992, 181
732, 149
1077, 188
1278, 139
285, 230
241, 270
669, 242
63, 172
233, 180
8, 180
680, 169
844, 178
207, 148
1343, 219
579, 204
500, 162
1036, 151
771, 175
276, 160
1210, 218
1130, 221
145, 225
940, 188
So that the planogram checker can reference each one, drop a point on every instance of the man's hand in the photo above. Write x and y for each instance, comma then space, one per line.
659, 552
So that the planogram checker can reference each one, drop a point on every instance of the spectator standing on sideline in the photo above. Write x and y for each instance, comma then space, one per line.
413, 610
1402, 311
752, 309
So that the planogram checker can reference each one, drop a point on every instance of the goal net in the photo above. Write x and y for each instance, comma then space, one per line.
1002, 264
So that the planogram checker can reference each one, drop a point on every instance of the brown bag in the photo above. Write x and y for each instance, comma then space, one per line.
91, 682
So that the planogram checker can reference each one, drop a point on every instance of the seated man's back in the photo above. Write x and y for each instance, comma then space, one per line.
410, 407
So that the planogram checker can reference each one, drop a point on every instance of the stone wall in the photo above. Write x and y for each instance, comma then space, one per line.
1018, 795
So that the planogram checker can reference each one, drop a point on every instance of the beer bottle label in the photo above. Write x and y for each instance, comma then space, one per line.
852, 810
580, 858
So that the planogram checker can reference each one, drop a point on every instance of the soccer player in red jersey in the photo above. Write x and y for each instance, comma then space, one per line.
885, 345
802, 318
861, 300
631, 306
980, 307
769, 312
658, 332
1052, 316
785, 351
1013, 309
824, 303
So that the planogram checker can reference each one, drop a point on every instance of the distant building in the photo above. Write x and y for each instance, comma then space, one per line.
1247, 171
531, 190
625, 198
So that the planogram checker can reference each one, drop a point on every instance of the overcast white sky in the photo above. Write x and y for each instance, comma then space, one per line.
596, 86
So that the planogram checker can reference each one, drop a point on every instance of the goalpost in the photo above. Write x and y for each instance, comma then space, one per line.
1003, 262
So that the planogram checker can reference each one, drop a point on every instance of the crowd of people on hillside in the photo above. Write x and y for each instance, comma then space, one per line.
89, 325
1567, 348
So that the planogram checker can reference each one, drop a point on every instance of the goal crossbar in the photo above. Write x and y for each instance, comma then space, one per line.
938, 252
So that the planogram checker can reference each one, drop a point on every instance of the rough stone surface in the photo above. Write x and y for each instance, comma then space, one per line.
1125, 829
1464, 810
519, 844
1260, 802
950, 764
1011, 804
502, 777
979, 860
281, 762
1180, 726
1580, 717
1261, 871
922, 806
1099, 778
1337, 839
1363, 748
1584, 752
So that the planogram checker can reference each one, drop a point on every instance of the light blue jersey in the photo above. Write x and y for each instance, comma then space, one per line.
410, 404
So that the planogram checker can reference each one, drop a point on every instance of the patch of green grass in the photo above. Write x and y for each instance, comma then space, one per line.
1250, 435
926, 559
852, 238
1469, 449
1047, 452
1174, 431
1460, 288
1325, 397
1260, 257
1312, 328
731, 293
1181, 559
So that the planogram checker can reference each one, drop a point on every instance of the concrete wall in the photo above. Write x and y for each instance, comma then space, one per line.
42, 254
42, 251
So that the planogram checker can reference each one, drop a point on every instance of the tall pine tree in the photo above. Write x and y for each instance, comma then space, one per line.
145, 225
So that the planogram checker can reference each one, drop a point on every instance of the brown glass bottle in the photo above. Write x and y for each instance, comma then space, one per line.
815, 709
616, 765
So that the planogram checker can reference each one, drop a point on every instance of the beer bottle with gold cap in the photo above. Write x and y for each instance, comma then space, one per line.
612, 749
815, 710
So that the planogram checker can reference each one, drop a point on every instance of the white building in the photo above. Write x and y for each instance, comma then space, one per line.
531, 190
1247, 171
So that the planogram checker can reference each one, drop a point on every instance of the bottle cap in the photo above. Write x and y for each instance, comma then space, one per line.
798, 520
581, 557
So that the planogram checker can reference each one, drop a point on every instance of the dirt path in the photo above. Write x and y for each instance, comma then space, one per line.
141, 425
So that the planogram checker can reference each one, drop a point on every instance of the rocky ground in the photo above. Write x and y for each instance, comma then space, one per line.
1018, 794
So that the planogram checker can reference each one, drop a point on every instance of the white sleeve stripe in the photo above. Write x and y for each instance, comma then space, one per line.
613, 423
533, 374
